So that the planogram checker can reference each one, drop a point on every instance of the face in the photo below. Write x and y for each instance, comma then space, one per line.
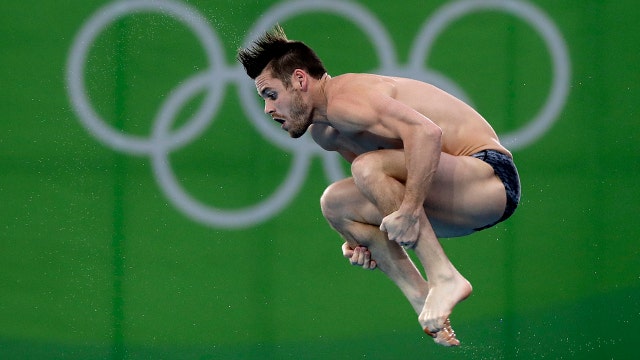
285, 106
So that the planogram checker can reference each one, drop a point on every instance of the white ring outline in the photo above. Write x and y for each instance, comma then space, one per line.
188, 204
556, 47
76, 69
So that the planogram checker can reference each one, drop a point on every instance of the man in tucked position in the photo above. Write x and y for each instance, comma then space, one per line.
424, 165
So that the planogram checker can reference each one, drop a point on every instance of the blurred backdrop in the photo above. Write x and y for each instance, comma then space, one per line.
151, 211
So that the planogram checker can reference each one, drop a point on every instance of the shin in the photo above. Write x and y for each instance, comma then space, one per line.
354, 217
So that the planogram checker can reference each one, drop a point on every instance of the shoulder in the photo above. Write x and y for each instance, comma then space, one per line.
346, 84
356, 98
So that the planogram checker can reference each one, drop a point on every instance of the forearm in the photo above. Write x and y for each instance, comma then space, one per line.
422, 154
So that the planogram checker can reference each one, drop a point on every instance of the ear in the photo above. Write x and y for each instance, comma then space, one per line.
300, 79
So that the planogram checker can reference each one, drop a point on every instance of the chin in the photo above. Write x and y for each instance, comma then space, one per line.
296, 133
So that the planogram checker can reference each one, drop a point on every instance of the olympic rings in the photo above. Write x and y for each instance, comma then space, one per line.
218, 75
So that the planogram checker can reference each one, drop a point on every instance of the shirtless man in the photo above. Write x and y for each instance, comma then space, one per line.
424, 165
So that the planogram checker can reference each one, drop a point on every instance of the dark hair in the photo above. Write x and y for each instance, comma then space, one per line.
281, 55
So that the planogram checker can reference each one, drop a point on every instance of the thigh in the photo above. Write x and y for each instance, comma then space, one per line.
464, 193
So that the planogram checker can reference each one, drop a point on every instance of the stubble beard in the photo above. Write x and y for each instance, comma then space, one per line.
300, 117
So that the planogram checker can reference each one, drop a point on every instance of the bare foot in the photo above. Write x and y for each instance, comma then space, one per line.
440, 302
446, 336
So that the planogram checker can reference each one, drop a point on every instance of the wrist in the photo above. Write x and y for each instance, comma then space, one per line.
410, 209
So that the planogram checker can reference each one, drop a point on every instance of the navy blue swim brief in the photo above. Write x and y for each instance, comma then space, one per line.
505, 169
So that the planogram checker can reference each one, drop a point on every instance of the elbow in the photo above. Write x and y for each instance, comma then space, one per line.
422, 133
435, 131
428, 134
432, 132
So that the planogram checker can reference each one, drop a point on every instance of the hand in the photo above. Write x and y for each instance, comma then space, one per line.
360, 256
402, 228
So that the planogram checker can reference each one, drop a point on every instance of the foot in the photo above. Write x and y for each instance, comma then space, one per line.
440, 302
446, 336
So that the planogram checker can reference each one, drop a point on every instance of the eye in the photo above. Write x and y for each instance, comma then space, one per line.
271, 95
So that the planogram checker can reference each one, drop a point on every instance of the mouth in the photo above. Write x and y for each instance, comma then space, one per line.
280, 121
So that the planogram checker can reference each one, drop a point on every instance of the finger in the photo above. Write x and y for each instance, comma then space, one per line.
367, 259
355, 258
393, 235
407, 244
372, 264
347, 251
361, 255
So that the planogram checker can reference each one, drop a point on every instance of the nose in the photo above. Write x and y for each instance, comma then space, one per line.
269, 108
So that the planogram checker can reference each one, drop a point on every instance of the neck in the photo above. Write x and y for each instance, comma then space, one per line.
320, 98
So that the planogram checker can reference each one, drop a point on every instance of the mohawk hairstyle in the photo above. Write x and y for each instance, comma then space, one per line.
273, 50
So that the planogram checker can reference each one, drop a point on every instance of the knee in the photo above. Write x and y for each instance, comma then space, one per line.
366, 168
332, 202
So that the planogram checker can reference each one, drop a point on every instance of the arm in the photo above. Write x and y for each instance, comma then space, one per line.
421, 140
422, 147
329, 139
378, 112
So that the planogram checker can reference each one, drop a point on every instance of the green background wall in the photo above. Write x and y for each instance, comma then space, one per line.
99, 263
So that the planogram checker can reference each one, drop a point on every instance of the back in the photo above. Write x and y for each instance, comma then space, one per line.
464, 130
